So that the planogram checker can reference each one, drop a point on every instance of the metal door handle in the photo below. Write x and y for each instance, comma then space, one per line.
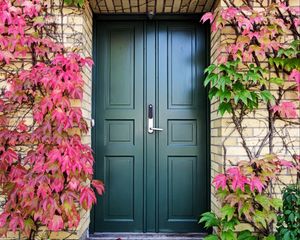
157, 129
151, 129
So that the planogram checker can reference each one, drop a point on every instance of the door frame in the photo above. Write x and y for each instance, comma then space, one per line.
144, 18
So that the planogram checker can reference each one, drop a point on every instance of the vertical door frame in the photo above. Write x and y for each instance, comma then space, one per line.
143, 18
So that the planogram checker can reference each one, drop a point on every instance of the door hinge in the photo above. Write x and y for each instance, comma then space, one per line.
92, 122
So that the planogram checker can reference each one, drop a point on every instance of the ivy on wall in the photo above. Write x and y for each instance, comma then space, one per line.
258, 70
45, 169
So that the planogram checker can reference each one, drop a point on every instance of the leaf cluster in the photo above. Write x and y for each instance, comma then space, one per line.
235, 88
247, 212
288, 222
287, 59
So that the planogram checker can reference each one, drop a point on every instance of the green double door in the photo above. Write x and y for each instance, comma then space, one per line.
155, 182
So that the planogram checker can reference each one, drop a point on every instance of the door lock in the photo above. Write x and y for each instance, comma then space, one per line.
151, 129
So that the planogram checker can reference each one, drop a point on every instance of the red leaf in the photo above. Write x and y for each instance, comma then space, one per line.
286, 110
255, 183
99, 186
285, 163
3, 219
22, 126
15, 223
207, 16
220, 181
56, 223
10, 156
238, 180
87, 198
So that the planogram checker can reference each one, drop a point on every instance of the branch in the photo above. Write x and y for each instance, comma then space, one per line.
239, 128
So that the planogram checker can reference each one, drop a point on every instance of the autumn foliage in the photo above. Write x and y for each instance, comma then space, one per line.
45, 169
257, 72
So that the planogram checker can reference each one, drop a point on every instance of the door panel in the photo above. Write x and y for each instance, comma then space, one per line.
182, 112
119, 126
154, 182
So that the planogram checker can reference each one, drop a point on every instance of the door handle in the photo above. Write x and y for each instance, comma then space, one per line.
157, 129
151, 129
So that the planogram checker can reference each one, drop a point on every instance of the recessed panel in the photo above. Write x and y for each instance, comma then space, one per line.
182, 132
181, 68
120, 85
181, 192
120, 131
119, 185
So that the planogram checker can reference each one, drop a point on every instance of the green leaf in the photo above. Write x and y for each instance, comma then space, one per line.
238, 86
213, 93
228, 235
263, 200
246, 235
244, 96
260, 217
227, 211
210, 68
68, 2
80, 3
286, 236
278, 62
271, 237
211, 78
291, 217
224, 107
211, 237
222, 193
210, 219
29, 224
224, 81
276, 203
245, 209
278, 81
230, 225
266, 96
224, 95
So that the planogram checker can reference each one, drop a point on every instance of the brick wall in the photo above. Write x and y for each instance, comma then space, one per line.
223, 133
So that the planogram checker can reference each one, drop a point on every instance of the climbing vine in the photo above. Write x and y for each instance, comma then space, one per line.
45, 169
257, 71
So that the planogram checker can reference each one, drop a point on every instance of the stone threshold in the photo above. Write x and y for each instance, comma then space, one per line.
147, 236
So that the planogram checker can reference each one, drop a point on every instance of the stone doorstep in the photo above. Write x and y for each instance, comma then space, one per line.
149, 236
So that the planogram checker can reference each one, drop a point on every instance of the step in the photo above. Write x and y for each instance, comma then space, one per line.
149, 236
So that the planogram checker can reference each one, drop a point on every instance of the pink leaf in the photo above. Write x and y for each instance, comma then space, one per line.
297, 22
22, 126
55, 155
295, 76
73, 184
87, 198
3, 219
229, 13
238, 180
286, 110
10, 156
16, 223
99, 186
207, 16
220, 181
285, 163
233, 171
255, 183
56, 223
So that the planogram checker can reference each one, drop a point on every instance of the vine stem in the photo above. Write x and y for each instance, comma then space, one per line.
239, 128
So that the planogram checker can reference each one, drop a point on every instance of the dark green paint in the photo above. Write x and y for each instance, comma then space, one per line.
154, 182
